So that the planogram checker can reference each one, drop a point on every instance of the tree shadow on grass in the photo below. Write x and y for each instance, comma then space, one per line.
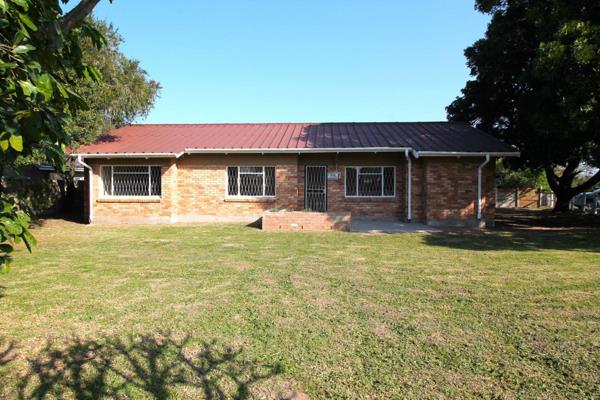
7, 352
532, 240
157, 366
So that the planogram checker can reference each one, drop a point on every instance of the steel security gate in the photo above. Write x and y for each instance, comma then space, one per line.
315, 188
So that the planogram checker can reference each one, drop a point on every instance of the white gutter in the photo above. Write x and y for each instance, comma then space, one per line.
128, 155
299, 150
479, 169
408, 185
465, 154
226, 150
80, 161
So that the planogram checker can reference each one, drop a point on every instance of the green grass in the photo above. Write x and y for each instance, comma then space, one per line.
230, 311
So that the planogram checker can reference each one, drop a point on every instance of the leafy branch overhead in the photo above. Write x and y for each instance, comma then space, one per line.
536, 84
40, 58
124, 93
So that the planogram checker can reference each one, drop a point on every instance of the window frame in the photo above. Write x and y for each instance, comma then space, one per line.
357, 195
264, 185
103, 195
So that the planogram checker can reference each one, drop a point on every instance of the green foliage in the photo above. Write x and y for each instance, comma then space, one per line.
523, 178
123, 94
537, 83
39, 62
14, 225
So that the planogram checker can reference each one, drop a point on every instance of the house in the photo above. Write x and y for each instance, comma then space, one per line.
439, 173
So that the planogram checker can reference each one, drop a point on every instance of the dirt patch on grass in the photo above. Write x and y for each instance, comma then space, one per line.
381, 330
278, 389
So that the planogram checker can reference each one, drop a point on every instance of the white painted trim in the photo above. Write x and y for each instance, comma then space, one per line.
239, 196
418, 154
479, 184
408, 186
128, 155
382, 181
298, 150
90, 191
102, 196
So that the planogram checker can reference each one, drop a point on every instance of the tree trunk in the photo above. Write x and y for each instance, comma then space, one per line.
562, 186
562, 202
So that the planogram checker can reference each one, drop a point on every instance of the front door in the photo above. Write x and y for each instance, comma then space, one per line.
315, 188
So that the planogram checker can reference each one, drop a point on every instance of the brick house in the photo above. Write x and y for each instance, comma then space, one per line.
439, 173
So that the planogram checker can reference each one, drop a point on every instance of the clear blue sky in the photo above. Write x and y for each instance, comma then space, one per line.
299, 61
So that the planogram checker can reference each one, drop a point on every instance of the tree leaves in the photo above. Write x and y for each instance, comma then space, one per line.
121, 93
37, 96
16, 142
23, 48
536, 82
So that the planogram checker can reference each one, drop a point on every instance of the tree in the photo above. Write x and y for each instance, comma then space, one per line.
537, 86
39, 54
522, 178
123, 94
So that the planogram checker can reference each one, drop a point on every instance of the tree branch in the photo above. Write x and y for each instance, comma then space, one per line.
588, 184
552, 178
74, 17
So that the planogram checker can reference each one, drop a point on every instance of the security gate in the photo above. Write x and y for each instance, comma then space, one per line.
315, 188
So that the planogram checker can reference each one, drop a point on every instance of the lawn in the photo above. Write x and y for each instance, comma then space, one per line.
211, 311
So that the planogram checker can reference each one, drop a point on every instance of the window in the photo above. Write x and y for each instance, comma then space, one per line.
370, 182
131, 180
251, 181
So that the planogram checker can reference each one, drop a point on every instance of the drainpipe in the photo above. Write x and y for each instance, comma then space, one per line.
487, 160
408, 185
90, 191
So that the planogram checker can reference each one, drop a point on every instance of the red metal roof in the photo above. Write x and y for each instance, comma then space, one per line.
176, 138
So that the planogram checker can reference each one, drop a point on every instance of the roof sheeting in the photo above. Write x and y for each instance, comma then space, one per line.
178, 138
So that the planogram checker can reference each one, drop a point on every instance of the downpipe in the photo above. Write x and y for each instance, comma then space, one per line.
80, 161
479, 185
408, 185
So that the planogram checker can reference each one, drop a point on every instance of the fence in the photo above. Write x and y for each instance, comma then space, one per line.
524, 198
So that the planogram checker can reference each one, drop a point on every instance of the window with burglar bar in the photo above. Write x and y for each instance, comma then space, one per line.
131, 180
370, 181
251, 181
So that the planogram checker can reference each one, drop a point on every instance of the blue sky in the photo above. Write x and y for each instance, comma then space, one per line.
299, 61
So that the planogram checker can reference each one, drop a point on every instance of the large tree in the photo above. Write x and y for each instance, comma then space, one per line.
40, 53
123, 94
536, 84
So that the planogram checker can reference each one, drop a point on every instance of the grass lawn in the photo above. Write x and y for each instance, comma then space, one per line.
213, 311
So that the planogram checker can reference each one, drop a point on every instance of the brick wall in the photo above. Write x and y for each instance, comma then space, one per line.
117, 210
444, 190
202, 184
306, 221
450, 186
336, 199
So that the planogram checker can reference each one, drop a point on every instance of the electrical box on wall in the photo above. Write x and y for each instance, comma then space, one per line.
333, 176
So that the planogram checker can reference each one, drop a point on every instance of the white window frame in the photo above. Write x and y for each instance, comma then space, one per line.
102, 194
264, 180
358, 167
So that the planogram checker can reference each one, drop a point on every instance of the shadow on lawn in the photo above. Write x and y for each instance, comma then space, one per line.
581, 240
7, 352
149, 365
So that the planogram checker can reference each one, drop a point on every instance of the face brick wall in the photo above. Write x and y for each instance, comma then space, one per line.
202, 184
444, 190
336, 199
451, 191
119, 210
